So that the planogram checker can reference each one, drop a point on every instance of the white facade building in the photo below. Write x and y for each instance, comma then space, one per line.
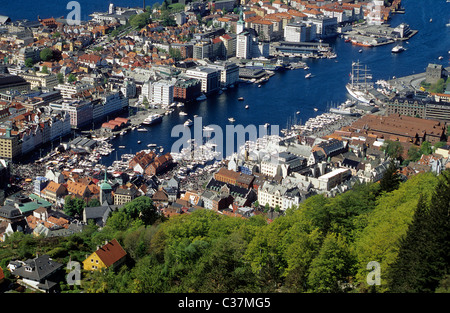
163, 92
209, 78
244, 45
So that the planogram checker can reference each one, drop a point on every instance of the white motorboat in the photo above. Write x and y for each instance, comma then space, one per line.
397, 49
188, 123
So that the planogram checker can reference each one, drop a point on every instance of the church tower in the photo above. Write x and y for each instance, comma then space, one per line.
106, 192
240, 24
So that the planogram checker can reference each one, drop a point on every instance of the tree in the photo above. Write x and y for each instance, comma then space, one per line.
46, 54
71, 78
143, 208
167, 19
332, 267
74, 206
426, 148
422, 262
403, 275
60, 77
391, 179
44, 70
414, 153
94, 203
29, 62
393, 149
175, 54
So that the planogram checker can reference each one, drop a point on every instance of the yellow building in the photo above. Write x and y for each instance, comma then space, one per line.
110, 255
10, 146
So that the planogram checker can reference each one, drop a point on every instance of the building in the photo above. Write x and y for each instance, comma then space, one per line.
227, 176
276, 195
9, 83
106, 195
163, 92
80, 111
326, 27
124, 195
10, 145
54, 192
186, 89
333, 178
229, 44
208, 77
433, 73
402, 128
202, 50
39, 273
99, 215
299, 32
40, 80
229, 72
69, 89
244, 42
109, 255
39, 184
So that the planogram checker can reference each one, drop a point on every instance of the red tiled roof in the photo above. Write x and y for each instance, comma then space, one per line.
111, 252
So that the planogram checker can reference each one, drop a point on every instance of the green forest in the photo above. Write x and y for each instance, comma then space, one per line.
322, 246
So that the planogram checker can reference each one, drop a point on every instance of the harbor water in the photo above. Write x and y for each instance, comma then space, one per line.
287, 92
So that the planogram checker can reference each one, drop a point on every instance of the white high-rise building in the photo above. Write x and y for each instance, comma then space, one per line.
146, 92
244, 45
163, 92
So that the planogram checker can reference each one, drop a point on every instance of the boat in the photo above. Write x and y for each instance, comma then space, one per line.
309, 75
259, 86
142, 129
188, 123
266, 125
139, 141
431, 20
306, 68
247, 106
180, 104
201, 98
298, 112
241, 98
397, 49
121, 147
152, 119
208, 129
448, 24
345, 109
360, 51
316, 109
183, 113
440, 57
359, 83
151, 145
231, 119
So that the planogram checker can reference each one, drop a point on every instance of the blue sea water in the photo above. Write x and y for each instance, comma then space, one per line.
286, 92
30, 10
